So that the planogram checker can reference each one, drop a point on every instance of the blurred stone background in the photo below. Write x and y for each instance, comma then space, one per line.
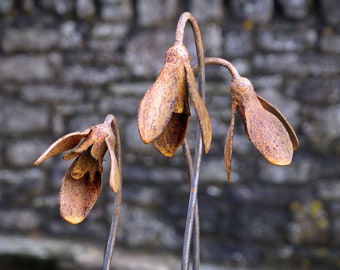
65, 64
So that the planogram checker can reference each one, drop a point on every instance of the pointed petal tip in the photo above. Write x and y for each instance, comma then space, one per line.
207, 144
281, 162
165, 152
41, 159
73, 219
145, 139
37, 162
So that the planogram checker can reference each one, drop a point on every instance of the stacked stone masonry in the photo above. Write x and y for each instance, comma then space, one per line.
65, 64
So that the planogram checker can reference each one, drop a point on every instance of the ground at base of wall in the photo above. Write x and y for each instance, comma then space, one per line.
40, 253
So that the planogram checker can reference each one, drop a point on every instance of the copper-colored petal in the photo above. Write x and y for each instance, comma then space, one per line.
173, 135
269, 135
200, 109
83, 146
156, 106
228, 147
78, 197
71, 155
95, 140
100, 132
182, 100
62, 144
269, 107
115, 176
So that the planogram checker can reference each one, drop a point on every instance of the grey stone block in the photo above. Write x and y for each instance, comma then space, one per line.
19, 118
211, 11
30, 39
258, 11
154, 12
22, 153
25, 68
296, 9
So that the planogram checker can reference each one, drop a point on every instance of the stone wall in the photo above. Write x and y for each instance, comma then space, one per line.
65, 64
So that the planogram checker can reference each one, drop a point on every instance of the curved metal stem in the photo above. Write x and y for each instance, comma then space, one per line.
116, 204
192, 207
219, 61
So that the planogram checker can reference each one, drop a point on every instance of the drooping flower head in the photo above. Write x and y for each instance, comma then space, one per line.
164, 111
81, 184
266, 127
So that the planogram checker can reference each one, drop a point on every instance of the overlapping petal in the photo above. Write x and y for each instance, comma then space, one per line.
156, 106
172, 135
63, 144
228, 147
200, 109
115, 174
80, 189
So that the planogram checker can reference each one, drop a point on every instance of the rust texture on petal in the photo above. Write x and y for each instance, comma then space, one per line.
200, 109
82, 181
167, 95
63, 144
85, 164
182, 101
164, 111
115, 174
173, 135
228, 147
156, 106
269, 107
78, 197
268, 131
269, 136
95, 140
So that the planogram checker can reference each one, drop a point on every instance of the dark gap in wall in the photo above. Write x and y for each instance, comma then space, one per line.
98, 7
185, 5
132, 28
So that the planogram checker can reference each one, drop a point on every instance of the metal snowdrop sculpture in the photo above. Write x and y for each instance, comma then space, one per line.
164, 112
82, 182
266, 127
163, 118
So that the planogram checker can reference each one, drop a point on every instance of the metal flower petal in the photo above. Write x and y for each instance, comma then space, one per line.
78, 197
228, 147
156, 107
173, 135
269, 107
200, 109
115, 174
63, 144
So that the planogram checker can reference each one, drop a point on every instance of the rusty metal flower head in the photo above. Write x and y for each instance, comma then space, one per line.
164, 111
266, 127
81, 184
